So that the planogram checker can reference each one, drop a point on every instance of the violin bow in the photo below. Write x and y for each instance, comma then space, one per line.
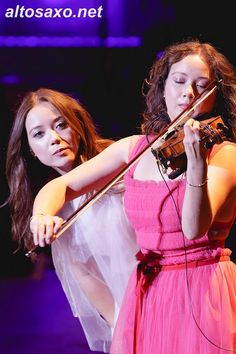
180, 119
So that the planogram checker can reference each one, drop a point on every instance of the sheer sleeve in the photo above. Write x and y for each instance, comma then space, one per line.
102, 243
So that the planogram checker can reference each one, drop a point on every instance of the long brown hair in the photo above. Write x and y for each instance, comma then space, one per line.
155, 117
25, 174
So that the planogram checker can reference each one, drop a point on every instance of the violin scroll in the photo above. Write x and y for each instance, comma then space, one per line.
171, 154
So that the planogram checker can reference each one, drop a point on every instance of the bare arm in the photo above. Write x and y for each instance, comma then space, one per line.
89, 176
216, 198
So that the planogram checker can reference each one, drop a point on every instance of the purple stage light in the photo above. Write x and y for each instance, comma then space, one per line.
96, 42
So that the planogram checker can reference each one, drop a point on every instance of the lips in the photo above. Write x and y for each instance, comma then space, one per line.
58, 151
183, 105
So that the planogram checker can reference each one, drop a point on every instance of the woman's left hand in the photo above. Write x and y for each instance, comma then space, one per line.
195, 149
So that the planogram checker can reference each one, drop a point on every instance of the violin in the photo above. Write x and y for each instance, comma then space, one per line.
171, 153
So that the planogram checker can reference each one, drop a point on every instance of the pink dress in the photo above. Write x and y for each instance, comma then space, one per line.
186, 309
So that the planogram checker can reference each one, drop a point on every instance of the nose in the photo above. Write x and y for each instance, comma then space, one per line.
189, 92
55, 138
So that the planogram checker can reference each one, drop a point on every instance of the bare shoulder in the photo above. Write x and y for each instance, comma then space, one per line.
122, 147
133, 141
222, 165
130, 140
224, 155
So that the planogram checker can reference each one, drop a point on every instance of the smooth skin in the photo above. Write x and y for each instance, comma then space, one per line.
211, 202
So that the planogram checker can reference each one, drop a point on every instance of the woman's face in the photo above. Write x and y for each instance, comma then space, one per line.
50, 137
187, 78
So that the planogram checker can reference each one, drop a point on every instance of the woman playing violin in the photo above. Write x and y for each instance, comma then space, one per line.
181, 297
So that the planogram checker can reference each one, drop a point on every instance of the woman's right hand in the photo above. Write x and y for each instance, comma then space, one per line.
44, 228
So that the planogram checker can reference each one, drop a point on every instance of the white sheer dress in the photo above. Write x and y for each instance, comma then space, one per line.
100, 243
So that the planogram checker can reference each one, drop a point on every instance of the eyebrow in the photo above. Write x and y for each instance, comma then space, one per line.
184, 74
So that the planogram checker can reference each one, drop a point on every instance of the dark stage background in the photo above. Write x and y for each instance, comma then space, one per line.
100, 60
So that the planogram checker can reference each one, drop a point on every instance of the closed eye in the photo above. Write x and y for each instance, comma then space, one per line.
179, 82
203, 86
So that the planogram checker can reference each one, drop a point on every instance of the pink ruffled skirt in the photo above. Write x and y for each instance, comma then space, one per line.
189, 311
